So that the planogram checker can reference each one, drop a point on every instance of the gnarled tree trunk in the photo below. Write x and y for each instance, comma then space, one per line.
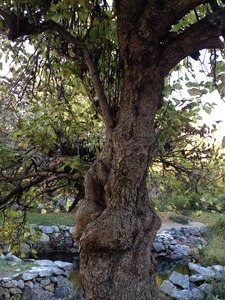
116, 223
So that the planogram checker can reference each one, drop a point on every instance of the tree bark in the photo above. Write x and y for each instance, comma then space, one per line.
116, 222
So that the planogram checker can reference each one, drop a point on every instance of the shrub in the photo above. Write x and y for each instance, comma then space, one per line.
214, 252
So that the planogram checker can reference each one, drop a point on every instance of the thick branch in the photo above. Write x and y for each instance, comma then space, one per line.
19, 26
172, 11
92, 68
204, 34
19, 190
44, 174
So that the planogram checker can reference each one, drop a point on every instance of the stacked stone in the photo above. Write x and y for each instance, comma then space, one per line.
196, 286
45, 280
52, 239
177, 243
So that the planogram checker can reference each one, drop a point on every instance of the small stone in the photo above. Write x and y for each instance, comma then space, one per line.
181, 295
197, 277
47, 229
209, 272
63, 265
50, 287
29, 275
55, 228
197, 294
45, 272
61, 293
167, 287
45, 262
44, 238
45, 282
20, 284
180, 280
12, 258
206, 288
15, 291
27, 294
158, 247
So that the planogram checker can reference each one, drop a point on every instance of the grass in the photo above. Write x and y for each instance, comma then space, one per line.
64, 218
214, 252
205, 217
10, 269
51, 219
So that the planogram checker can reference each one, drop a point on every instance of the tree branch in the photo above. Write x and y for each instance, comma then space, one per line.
19, 26
86, 55
172, 11
204, 34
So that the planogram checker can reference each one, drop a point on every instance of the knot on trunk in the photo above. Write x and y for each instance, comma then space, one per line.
93, 204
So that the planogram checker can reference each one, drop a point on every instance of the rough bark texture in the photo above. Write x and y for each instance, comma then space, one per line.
116, 222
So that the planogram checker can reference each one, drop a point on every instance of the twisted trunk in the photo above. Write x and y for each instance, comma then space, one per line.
116, 223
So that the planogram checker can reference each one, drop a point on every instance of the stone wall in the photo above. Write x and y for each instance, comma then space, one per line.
172, 244
52, 239
196, 286
44, 281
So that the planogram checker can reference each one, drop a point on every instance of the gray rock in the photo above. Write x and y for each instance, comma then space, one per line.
158, 247
44, 238
12, 258
180, 280
181, 295
55, 228
47, 229
197, 294
15, 291
10, 284
57, 271
20, 284
28, 294
63, 281
29, 275
45, 272
45, 282
63, 265
209, 272
61, 293
45, 295
198, 278
45, 262
167, 287
206, 288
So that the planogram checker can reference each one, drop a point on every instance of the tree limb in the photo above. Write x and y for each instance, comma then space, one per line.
172, 12
19, 26
204, 34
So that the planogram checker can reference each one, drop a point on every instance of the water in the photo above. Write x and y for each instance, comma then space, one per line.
179, 267
164, 269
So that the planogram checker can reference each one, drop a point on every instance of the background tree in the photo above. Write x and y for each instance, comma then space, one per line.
124, 77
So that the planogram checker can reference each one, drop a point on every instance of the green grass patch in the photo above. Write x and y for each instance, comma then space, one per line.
50, 219
206, 217
10, 268
214, 252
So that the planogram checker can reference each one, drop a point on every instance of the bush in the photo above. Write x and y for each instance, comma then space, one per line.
218, 292
214, 252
